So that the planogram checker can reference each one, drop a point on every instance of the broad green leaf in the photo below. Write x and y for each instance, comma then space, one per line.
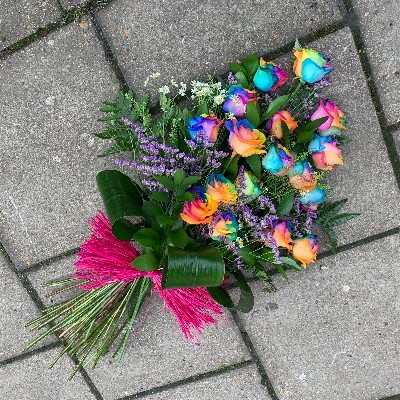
267, 255
147, 237
202, 109
121, 199
163, 219
254, 163
285, 134
246, 298
285, 205
187, 196
221, 296
179, 176
166, 182
235, 68
152, 209
160, 196
275, 106
305, 136
291, 263
251, 64
178, 238
233, 165
189, 181
191, 268
246, 255
252, 114
241, 79
146, 262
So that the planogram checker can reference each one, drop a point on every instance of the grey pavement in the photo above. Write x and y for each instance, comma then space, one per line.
332, 332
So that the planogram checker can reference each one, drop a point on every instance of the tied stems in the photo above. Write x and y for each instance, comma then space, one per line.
90, 323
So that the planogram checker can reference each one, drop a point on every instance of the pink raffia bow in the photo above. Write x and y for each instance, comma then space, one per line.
104, 260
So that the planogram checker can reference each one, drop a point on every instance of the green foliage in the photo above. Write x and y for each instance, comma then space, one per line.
252, 114
254, 163
275, 106
328, 218
285, 205
241, 79
146, 262
251, 64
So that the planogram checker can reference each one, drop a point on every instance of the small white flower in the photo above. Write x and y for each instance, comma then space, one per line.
183, 86
181, 91
146, 82
230, 116
164, 89
173, 83
218, 99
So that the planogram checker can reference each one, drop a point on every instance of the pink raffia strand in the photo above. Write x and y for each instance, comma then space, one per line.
104, 260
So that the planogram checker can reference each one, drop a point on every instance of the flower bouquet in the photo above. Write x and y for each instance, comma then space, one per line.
216, 191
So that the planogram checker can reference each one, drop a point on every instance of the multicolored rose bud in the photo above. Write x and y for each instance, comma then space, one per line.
310, 66
305, 250
325, 153
313, 197
336, 123
302, 176
236, 100
224, 226
199, 210
274, 124
278, 160
269, 76
248, 184
204, 126
283, 234
244, 139
221, 189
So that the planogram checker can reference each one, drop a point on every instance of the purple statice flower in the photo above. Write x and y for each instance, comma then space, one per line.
274, 247
265, 202
231, 78
311, 215
325, 81
295, 227
232, 247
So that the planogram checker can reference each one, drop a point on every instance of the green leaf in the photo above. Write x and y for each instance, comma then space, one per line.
267, 255
251, 64
342, 219
297, 45
187, 196
148, 237
191, 268
254, 163
146, 262
202, 109
246, 255
179, 176
252, 114
166, 182
189, 181
152, 210
313, 125
241, 79
285, 205
305, 136
281, 271
121, 199
163, 219
246, 298
179, 238
285, 134
275, 106
291, 263
233, 166
235, 68
160, 196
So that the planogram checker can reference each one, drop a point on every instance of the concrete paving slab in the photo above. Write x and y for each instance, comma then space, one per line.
67, 4
17, 309
396, 136
51, 92
157, 354
366, 179
240, 384
19, 19
188, 40
333, 331
31, 379
380, 29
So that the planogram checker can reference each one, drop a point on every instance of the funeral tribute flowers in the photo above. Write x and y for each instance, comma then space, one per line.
200, 194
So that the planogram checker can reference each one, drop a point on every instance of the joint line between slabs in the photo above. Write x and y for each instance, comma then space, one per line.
265, 381
353, 24
186, 381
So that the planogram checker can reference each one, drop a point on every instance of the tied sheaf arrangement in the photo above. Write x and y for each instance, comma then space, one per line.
212, 193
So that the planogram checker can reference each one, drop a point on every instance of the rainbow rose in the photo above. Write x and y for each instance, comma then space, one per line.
274, 124
313, 197
310, 66
199, 210
283, 234
224, 226
305, 250
336, 123
325, 153
221, 189
236, 100
206, 125
248, 184
244, 139
302, 176
269, 76
278, 160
